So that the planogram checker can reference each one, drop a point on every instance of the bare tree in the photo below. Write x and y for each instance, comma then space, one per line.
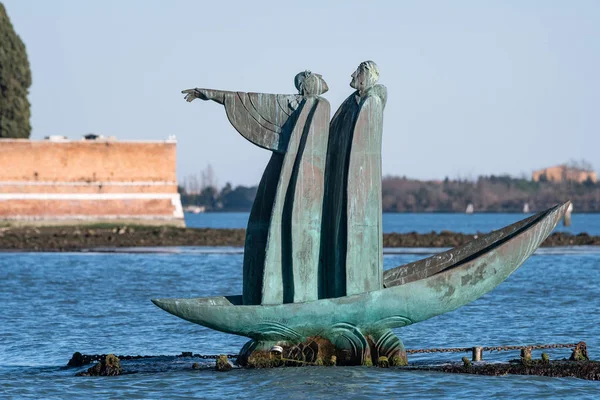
209, 178
191, 184
586, 165
580, 164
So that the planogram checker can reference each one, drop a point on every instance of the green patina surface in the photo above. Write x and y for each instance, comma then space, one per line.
357, 322
313, 280
314, 231
282, 249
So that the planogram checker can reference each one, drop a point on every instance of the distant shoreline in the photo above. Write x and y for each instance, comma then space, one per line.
79, 238
247, 211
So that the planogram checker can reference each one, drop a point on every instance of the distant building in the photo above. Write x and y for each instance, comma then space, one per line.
563, 172
61, 181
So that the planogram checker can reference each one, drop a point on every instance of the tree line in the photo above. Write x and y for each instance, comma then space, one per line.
400, 194
228, 198
487, 194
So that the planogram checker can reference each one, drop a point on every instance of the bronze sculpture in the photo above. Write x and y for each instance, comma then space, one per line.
313, 278
281, 252
352, 236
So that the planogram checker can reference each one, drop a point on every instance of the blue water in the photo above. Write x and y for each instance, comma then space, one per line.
412, 222
57, 303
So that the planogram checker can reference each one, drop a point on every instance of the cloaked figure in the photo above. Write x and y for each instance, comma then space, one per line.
352, 243
281, 253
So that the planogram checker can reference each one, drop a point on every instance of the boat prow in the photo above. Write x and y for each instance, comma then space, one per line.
412, 293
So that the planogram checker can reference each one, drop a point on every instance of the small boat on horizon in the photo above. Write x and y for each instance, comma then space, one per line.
195, 209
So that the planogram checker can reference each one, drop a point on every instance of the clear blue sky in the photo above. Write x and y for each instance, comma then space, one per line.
475, 87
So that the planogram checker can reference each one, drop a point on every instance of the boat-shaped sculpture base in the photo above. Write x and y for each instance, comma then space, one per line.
338, 349
356, 329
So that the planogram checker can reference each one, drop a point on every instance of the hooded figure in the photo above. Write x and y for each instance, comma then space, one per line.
281, 253
352, 243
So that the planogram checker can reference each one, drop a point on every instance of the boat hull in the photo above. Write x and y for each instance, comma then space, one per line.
443, 290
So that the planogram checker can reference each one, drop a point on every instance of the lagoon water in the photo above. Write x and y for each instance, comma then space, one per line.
417, 222
57, 303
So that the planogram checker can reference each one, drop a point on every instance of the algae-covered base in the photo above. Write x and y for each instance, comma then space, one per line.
223, 364
319, 351
109, 366
589, 370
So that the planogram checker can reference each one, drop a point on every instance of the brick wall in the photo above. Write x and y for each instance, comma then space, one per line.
87, 160
93, 180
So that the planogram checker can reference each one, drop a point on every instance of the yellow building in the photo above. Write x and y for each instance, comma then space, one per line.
563, 172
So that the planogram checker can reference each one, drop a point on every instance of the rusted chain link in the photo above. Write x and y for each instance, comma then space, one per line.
82, 359
442, 350
88, 358
497, 348
536, 347
203, 356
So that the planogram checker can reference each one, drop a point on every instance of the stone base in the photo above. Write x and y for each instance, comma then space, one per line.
109, 366
358, 349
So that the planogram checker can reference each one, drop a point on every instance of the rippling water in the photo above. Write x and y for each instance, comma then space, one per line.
58, 303
413, 222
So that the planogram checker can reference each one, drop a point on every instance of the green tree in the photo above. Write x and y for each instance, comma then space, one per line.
15, 80
239, 199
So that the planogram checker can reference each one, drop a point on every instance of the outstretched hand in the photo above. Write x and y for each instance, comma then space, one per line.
192, 94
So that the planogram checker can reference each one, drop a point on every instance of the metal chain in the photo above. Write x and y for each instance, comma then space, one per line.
497, 348
442, 350
581, 345
87, 358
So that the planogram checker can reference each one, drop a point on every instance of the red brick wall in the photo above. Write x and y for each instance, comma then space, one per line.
74, 208
81, 161
104, 187
91, 180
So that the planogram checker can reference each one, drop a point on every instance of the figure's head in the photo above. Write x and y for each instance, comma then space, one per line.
309, 84
365, 76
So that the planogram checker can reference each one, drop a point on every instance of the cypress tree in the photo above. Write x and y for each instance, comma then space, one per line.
15, 80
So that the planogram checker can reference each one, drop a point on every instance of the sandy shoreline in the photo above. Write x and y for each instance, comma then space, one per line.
73, 238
